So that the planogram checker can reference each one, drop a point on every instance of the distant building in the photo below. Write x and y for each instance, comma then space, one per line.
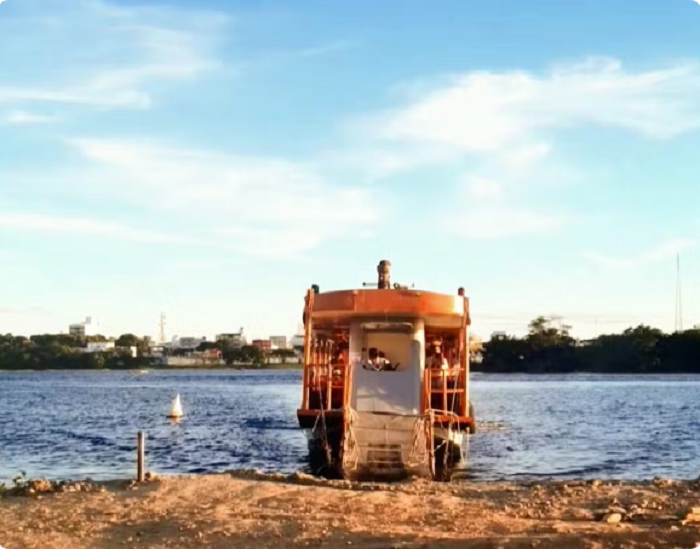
99, 346
297, 340
187, 342
498, 335
236, 339
264, 344
278, 342
84, 329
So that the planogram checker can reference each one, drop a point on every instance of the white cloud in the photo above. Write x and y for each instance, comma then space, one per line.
488, 222
131, 50
521, 159
661, 252
23, 118
501, 127
483, 188
258, 205
486, 111
88, 228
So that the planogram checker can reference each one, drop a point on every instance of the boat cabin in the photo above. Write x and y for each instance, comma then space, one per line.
387, 350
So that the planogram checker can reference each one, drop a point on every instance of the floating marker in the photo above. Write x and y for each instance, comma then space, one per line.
176, 408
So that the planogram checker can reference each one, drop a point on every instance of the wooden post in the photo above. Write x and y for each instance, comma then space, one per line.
464, 359
444, 390
308, 327
329, 366
141, 457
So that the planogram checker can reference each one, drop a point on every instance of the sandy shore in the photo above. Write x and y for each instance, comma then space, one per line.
254, 510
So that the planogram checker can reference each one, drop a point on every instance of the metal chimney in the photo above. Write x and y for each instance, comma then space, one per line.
384, 271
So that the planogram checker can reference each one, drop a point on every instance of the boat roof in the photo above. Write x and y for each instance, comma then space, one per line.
340, 308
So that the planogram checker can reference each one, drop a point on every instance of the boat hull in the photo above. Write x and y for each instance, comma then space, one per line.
382, 447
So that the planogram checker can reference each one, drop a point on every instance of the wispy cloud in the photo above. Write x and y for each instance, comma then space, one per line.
254, 205
511, 118
501, 221
134, 49
482, 187
661, 252
499, 128
24, 118
487, 111
325, 49
87, 228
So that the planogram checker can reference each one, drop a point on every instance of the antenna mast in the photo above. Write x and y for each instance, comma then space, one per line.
679, 296
161, 324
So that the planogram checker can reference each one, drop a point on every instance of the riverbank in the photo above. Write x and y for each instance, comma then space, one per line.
156, 368
255, 510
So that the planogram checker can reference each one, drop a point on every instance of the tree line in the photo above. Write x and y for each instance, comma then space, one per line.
549, 348
67, 352
245, 354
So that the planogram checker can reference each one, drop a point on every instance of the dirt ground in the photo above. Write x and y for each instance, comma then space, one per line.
256, 510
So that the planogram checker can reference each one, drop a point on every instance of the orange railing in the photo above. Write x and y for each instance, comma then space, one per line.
445, 391
326, 383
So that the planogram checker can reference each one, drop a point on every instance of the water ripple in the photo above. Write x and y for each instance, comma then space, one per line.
76, 425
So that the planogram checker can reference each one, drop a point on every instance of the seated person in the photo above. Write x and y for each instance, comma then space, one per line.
368, 363
385, 364
437, 361
377, 361
338, 362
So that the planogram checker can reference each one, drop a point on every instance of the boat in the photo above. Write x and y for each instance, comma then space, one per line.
385, 391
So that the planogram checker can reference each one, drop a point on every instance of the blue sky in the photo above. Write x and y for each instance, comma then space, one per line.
213, 160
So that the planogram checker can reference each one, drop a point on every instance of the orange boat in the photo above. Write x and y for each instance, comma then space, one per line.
386, 381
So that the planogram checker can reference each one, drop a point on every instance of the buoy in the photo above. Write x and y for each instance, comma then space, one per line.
176, 408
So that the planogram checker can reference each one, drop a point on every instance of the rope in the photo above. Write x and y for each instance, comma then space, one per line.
351, 450
322, 437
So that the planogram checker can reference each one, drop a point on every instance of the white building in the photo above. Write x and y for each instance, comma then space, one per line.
99, 346
297, 341
187, 342
84, 329
236, 339
278, 342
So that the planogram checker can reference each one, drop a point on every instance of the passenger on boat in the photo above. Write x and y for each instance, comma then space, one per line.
385, 364
338, 362
376, 361
366, 362
437, 361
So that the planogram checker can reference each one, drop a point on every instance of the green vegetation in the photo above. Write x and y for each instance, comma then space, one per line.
62, 352
67, 352
550, 349
547, 348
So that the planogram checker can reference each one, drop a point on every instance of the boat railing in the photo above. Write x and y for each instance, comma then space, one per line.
445, 391
326, 386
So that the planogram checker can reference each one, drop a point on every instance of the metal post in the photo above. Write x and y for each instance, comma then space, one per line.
141, 457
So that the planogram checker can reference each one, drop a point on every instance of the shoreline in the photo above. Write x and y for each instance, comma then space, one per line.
241, 367
299, 367
252, 509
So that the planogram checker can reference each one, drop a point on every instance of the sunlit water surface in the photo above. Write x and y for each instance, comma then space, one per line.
84, 424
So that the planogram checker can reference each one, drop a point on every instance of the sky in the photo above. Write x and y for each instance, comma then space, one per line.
212, 160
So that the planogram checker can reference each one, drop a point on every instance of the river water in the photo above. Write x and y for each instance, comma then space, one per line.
84, 424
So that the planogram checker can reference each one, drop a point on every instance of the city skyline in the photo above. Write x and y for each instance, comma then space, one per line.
214, 161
